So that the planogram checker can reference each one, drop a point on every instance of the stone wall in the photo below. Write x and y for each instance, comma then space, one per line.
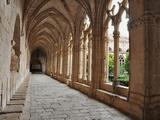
8, 15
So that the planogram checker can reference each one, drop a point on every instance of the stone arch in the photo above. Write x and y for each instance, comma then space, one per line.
15, 54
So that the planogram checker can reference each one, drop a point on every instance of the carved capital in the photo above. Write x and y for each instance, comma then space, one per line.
147, 18
116, 34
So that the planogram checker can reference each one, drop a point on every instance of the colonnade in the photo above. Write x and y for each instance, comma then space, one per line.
81, 59
82, 56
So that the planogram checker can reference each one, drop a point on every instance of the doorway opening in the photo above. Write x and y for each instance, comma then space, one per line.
38, 61
36, 66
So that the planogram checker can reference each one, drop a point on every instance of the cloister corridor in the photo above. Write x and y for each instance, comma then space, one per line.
48, 99
79, 59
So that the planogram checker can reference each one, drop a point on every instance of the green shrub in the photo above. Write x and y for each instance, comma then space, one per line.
123, 70
127, 62
111, 64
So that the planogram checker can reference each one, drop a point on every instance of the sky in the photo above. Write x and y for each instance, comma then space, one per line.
123, 25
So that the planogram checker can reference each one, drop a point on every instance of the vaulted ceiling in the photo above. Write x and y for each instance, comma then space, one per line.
47, 22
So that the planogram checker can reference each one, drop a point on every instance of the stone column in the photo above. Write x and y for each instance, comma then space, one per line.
75, 62
68, 61
61, 62
84, 63
116, 19
52, 65
81, 59
55, 65
57, 71
144, 30
97, 49
64, 64
58, 62
116, 57
106, 61
70, 67
89, 57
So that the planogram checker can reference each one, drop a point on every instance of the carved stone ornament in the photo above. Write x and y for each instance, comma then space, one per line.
147, 18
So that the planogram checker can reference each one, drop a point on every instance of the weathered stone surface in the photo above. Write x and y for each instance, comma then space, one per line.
11, 116
12, 68
14, 108
16, 102
49, 99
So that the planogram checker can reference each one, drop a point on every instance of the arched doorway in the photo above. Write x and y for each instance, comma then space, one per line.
38, 61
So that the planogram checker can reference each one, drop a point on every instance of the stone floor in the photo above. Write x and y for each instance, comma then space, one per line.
48, 99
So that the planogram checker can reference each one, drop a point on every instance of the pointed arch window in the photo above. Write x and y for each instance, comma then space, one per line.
117, 39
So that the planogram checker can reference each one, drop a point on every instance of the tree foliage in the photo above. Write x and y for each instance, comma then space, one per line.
127, 62
111, 63
123, 70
